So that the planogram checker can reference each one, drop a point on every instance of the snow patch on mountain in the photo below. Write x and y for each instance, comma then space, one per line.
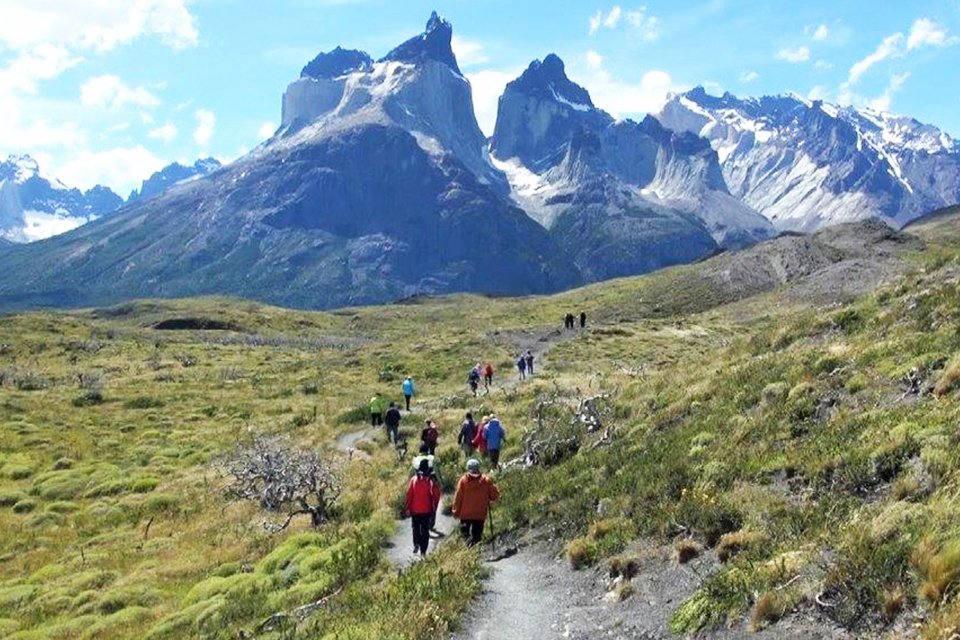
805, 164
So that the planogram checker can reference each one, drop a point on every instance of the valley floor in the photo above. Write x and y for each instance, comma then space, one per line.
790, 436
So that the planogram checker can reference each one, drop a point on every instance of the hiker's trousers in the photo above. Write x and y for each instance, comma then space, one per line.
472, 531
421, 531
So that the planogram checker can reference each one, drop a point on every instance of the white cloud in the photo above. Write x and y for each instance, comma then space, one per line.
646, 25
892, 46
610, 22
206, 123
821, 33
110, 91
121, 168
487, 86
594, 60
266, 130
749, 76
622, 98
794, 56
883, 102
819, 92
925, 32
166, 133
99, 25
468, 52
595, 21
823, 65
28, 67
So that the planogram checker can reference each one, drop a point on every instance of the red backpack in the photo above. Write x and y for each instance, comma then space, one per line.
431, 435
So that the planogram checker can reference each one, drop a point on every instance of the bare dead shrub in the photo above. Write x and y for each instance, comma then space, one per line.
283, 479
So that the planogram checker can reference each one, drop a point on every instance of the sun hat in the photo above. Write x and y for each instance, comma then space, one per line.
473, 466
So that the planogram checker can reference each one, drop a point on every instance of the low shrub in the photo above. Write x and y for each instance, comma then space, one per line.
687, 550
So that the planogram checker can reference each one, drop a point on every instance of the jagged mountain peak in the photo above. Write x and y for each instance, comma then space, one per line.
547, 79
336, 63
435, 43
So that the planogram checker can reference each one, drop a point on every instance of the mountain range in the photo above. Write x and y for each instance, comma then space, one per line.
379, 185
806, 164
34, 206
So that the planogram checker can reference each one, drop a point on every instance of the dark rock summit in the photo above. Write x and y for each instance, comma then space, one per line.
337, 63
435, 43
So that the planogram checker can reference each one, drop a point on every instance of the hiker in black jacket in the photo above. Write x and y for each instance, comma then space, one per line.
392, 420
468, 431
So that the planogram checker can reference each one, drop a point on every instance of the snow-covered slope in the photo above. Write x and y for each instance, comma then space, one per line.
34, 206
543, 115
806, 164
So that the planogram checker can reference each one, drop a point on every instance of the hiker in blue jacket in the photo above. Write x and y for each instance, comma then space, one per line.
522, 367
408, 390
496, 435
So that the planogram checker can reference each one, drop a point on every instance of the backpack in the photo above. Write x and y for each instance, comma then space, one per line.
430, 435
522, 362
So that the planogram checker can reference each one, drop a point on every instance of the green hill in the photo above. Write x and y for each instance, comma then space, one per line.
787, 412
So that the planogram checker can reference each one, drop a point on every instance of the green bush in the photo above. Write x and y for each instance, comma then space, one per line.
24, 506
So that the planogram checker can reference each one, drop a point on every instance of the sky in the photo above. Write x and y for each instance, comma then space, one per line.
108, 91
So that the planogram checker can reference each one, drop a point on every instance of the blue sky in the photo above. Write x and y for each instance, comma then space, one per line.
110, 90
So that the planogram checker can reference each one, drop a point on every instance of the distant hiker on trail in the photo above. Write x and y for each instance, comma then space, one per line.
423, 498
495, 435
522, 367
473, 379
583, 319
480, 440
568, 321
529, 359
429, 436
487, 376
408, 390
377, 406
471, 503
468, 431
392, 421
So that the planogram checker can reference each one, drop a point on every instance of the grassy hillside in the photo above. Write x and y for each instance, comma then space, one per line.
805, 437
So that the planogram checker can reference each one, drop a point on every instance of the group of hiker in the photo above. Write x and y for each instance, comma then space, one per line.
570, 321
525, 364
475, 491
388, 415
472, 499
480, 372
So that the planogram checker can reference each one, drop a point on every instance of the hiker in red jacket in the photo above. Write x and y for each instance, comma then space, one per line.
423, 498
480, 439
487, 376
429, 436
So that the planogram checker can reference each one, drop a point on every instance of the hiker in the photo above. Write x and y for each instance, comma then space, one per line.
376, 410
568, 321
434, 473
583, 319
473, 379
423, 498
471, 503
468, 431
522, 367
529, 359
408, 390
392, 421
487, 376
480, 440
429, 436
495, 436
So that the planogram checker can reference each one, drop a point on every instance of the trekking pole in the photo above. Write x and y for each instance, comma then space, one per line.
493, 533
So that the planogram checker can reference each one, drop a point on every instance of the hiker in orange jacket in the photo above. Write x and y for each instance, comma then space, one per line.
471, 503
423, 498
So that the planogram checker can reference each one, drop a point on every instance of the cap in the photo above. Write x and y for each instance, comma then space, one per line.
473, 465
